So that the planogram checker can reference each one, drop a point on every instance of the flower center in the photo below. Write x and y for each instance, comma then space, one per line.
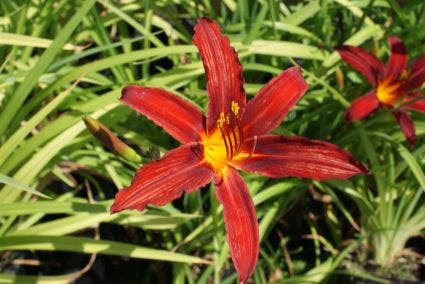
225, 140
387, 91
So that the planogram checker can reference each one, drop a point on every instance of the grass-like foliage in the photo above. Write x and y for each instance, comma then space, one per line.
65, 61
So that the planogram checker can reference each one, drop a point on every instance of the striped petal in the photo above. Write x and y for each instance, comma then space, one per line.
418, 105
406, 124
362, 107
180, 118
417, 74
268, 108
363, 61
240, 221
398, 57
164, 180
222, 69
415, 101
277, 156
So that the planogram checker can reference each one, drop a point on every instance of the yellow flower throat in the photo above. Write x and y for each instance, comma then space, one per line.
225, 140
388, 89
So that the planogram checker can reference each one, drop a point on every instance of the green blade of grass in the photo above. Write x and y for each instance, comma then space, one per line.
33, 167
87, 245
16, 139
356, 39
31, 279
303, 14
15, 102
24, 40
131, 22
53, 207
413, 165
21, 186
103, 64
286, 49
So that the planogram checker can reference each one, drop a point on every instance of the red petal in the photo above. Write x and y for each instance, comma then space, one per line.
180, 118
362, 107
164, 180
418, 105
406, 124
398, 57
267, 109
363, 61
414, 101
417, 74
222, 69
277, 156
240, 220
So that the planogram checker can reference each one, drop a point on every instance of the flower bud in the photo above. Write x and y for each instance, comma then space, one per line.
110, 140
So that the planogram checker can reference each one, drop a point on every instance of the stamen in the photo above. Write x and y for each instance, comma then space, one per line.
234, 137
221, 120
241, 136
231, 130
225, 140
404, 74
229, 139
235, 108
253, 147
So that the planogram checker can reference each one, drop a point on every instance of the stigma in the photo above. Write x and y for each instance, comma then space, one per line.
225, 140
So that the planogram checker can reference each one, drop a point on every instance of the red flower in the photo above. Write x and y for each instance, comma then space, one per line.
395, 86
231, 137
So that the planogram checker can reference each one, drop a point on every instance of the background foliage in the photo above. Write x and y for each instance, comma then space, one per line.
63, 60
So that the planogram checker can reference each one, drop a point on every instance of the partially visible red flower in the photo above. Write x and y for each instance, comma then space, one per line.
396, 86
233, 136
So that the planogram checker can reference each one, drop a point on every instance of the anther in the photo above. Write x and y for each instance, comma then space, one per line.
404, 74
235, 108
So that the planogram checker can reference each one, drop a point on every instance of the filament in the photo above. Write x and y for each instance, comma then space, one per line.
253, 147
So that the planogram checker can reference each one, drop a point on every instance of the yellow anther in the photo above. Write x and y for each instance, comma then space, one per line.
235, 108
221, 120
404, 74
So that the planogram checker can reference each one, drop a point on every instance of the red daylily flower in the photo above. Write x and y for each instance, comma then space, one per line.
233, 136
395, 86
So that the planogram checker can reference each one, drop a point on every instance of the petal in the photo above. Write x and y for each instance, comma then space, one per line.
417, 74
414, 101
180, 118
278, 156
267, 109
418, 105
164, 180
240, 221
398, 57
362, 107
363, 61
222, 69
406, 124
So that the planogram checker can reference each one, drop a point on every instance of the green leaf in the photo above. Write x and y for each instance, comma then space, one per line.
29, 279
35, 165
24, 40
286, 49
413, 165
87, 245
356, 39
15, 184
24, 89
